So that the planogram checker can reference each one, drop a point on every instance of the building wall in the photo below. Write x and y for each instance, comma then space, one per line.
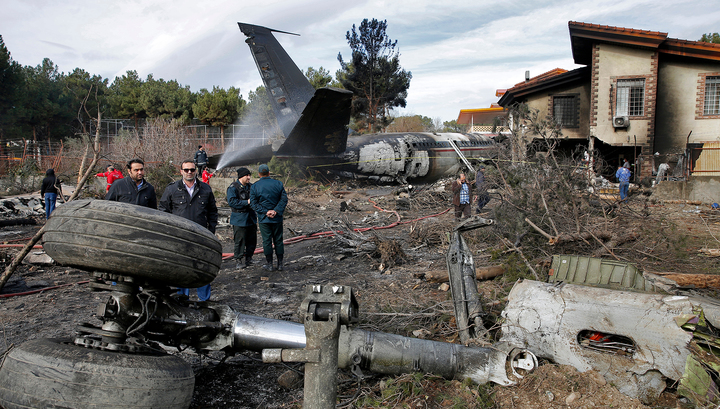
680, 103
543, 102
704, 189
610, 63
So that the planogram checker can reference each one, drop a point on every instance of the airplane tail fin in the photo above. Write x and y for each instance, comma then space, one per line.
287, 87
322, 128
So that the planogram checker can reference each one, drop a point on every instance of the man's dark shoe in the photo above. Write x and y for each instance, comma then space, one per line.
249, 262
280, 267
268, 267
239, 265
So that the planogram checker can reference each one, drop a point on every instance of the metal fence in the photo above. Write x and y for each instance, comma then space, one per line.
23, 155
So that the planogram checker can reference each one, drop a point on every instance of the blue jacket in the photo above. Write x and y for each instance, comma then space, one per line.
125, 190
268, 194
623, 175
242, 214
200, 208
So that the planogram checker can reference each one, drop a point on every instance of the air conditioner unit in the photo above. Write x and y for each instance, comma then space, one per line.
621, 122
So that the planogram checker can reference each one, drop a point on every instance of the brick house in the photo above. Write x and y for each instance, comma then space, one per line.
638, 93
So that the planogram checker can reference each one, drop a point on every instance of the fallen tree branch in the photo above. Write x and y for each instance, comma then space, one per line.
527, 263
550, 238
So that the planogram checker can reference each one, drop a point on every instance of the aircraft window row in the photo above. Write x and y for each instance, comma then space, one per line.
447, 144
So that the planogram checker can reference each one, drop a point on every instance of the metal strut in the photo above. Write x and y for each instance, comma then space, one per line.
462, 156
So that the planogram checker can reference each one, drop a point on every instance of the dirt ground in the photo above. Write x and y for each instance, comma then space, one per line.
393, 297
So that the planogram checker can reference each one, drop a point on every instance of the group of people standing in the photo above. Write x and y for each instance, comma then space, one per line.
258, 205
254, 206
463, 194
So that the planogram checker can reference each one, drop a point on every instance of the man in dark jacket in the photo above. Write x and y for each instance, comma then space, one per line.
201, 159
268, 199
242, 218
481, 189
49, 190
194, 200
133, 189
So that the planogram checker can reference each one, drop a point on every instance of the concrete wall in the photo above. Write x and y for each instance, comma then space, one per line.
679, 84
620, 62
704, 189
543, 102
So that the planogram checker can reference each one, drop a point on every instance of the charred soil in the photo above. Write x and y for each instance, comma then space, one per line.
386, 267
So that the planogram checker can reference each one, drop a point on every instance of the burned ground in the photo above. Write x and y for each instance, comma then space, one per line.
387, 268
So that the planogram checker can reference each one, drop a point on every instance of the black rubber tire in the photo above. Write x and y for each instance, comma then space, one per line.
132, 240
51, 373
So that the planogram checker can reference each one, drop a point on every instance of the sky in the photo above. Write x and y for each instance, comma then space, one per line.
459, 52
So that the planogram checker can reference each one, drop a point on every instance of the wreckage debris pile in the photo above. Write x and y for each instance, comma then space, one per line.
21, 207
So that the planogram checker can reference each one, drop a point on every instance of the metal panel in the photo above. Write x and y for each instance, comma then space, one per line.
599, 272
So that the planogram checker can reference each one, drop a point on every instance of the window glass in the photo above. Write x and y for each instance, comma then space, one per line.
712, 96
565, 110
630, 97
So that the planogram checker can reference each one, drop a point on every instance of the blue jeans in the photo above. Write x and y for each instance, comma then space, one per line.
624, 186
202, 292
50, 199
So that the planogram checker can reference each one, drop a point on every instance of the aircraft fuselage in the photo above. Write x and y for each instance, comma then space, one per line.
408, 156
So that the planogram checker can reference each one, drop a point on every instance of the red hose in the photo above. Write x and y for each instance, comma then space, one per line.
330, 233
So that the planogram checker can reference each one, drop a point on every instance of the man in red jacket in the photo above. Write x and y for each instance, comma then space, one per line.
112, 175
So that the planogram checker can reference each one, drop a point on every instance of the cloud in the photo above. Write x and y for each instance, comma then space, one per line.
459, 52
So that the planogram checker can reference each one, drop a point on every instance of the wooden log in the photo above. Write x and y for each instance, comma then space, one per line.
482, 273
697, 280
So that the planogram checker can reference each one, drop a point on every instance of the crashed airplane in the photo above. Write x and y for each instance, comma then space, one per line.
315, 124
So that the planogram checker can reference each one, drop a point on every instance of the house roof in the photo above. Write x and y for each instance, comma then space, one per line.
542, 82
481, 116
584, 35
697, 49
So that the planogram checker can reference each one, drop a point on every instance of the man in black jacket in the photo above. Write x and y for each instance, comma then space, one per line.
133, 189
49, 191
194, 200
243, 218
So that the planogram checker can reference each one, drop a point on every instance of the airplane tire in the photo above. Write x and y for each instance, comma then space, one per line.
54, 373
132, 240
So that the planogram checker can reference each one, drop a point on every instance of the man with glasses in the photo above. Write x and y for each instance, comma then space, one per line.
133, 189
194, 200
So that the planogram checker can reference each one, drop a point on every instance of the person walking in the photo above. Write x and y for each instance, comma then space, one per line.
462, 197
49, 190
201, 159
194, 200
243, 219
268, 199
623, 176
482, 194
133, 189
112, 175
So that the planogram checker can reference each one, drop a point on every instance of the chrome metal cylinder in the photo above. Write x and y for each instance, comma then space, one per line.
381, 352
258, 333
395, 354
